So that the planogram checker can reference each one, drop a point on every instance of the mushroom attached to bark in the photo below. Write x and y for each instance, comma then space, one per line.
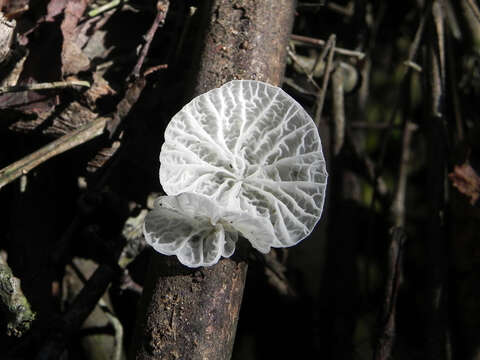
243, 159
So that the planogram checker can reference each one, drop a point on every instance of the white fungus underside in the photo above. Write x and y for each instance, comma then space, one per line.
199, 231
250, 148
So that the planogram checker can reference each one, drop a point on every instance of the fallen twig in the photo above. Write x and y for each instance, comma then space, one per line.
64, 143
43, 86
104, 8
154, 69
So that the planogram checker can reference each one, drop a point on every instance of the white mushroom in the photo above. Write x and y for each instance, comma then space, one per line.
199, 232
245, 157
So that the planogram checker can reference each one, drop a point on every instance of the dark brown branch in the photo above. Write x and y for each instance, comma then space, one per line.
82, 306
398, 205
338, 111
162, 9
89, 297
401, 97
326, 77
192, 313
386, 337
383, 348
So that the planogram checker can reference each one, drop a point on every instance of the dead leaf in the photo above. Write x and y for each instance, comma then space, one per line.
29, 102
55, 8
13, 71
467, 181
99, 89
12, 7
7, 32
73, 59
71, 118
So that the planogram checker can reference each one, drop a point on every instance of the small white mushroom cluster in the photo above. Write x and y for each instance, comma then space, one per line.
244, 159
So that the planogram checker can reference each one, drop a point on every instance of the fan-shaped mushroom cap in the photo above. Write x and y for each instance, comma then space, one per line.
251, 148
251, 151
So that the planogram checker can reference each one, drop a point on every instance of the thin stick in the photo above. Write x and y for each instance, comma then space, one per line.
162, 9
82, 306
474, 9
398, 204
320, 58
305, 70
43, 86
112, 319
64, 143
326, 77
154, 69
108, 6
411, 56
384, 346
363, 164
378, 170
290, 82
437, 261
452, 87
413, 65
322, 43
338, 111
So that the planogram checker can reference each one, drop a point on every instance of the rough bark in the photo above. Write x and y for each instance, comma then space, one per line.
189, 314
192, 314
245, 39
